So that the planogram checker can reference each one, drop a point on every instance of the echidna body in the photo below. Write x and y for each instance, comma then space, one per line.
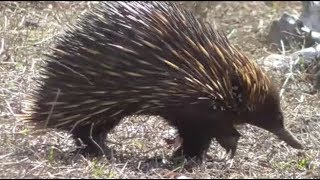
153, 58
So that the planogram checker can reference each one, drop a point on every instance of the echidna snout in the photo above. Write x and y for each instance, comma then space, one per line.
269, 116
286, 136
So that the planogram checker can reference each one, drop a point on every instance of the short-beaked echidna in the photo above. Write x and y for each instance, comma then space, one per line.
153, 58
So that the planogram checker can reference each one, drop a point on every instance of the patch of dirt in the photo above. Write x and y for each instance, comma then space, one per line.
27, 29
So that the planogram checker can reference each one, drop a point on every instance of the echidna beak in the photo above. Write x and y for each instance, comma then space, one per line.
287, 137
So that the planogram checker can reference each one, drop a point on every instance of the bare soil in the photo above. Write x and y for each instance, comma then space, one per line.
27, 29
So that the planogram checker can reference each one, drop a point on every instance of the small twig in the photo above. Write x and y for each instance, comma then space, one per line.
43, 40
122, 169
152, 149
50, 175
231, 33
83, 12
10, 109
283, 49
285, 84
159, 175
32, 65
139, 164
22, 21
56, 16
115, 143
174, 170
11, 163
58, 134
91, 138
2, 46
74, 71
13, 114
37, 166
5, 23
290, 74
291, 34
51, 110
6, 155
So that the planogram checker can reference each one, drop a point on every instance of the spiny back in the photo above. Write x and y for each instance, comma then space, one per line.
148, 53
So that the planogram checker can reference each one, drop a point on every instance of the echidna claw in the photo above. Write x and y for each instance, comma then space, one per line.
233, 152
229, 143
229, 154
228, 151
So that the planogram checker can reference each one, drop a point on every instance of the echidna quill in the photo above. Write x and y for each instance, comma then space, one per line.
153, 58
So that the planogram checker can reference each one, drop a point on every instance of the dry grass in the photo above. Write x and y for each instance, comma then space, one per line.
27, 29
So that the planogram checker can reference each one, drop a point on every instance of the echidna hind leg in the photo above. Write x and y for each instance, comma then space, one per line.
93, 140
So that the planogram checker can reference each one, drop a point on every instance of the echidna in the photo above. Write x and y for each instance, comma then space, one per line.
153, 58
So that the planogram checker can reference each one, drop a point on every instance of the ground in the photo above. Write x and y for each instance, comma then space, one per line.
27, 29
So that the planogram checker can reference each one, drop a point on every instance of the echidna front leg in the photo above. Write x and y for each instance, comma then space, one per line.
229, 142
195, 131
225, 133
195, 144
227, 136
